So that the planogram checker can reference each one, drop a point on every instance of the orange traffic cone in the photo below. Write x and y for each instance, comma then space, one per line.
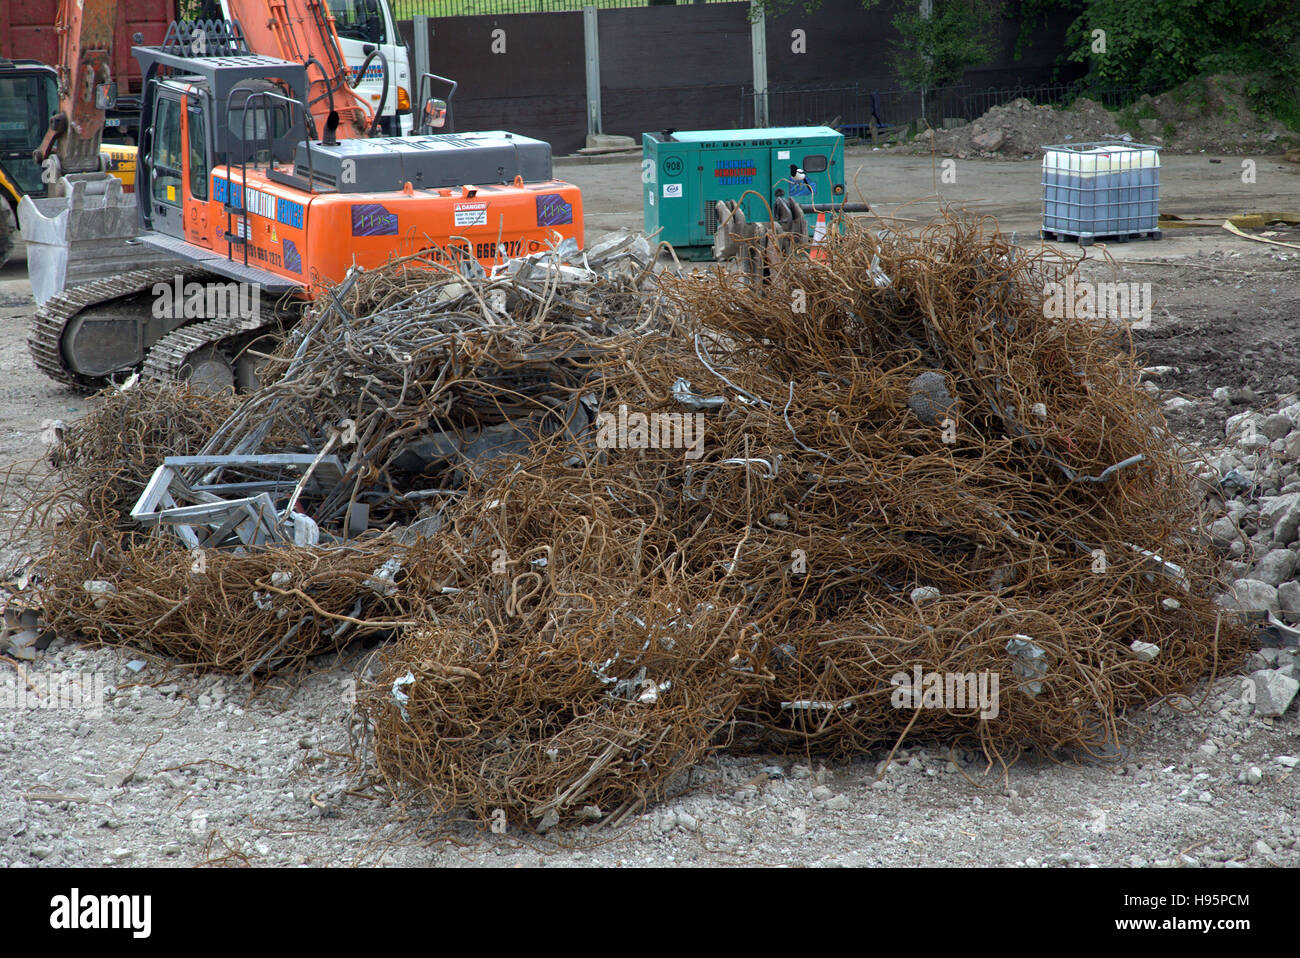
819, 237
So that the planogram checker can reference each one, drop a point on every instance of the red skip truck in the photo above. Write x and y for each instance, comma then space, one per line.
27, 33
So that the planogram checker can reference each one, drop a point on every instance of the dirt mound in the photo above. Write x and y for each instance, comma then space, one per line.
1211, 114
1020, 128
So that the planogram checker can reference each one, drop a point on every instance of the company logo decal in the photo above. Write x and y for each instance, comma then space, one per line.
552, 210
372, 219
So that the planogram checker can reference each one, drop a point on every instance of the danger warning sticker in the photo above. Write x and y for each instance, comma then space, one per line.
471, 214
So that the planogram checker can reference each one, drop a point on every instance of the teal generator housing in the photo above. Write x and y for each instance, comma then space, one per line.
685, 173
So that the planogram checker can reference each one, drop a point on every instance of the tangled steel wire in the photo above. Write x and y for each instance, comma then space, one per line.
882, 464
452, 356
237, 613
1046, 507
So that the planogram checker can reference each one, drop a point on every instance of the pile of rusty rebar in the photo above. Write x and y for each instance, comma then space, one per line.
617, 521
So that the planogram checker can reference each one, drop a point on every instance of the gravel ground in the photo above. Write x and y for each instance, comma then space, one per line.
182, 769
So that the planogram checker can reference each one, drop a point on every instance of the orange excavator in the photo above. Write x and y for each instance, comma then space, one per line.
64, 250
256, 192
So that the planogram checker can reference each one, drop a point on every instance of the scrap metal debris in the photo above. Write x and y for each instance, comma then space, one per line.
576, 622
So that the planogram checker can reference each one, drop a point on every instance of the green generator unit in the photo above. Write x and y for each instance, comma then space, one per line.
685, 173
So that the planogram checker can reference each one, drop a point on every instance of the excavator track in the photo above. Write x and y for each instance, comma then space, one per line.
167, 359
45, 336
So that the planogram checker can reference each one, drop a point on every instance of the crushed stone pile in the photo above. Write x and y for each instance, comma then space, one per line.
1252, 491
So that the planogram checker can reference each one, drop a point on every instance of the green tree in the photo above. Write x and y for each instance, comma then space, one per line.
938, 40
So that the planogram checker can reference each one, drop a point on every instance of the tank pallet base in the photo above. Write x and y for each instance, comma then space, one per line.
1087, 239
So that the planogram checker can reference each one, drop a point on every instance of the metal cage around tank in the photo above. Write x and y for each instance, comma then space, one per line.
1101, 189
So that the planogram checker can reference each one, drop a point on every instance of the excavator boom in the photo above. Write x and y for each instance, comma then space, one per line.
86, 87
302, 31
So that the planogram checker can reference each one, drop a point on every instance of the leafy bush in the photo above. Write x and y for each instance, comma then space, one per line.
1154, 45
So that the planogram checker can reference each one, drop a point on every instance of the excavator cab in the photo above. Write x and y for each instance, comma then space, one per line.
28, 96
225, 105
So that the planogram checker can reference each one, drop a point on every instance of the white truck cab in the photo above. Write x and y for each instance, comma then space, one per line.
366, 25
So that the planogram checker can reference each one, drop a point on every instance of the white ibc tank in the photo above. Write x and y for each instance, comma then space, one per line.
1101, 189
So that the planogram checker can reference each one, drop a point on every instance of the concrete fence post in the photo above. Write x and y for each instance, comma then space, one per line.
591, 44
420, 29
758, 46
420, 32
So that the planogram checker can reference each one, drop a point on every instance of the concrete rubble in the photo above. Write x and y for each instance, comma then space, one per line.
1252, 496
